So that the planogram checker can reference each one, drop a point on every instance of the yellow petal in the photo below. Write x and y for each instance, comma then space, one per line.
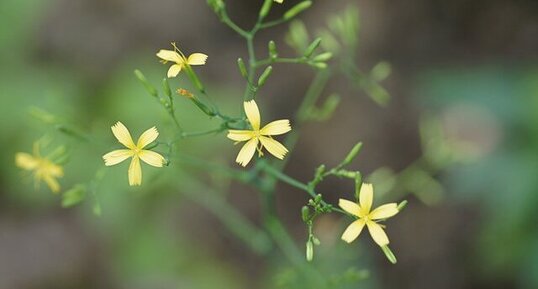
385, 211
197, 59
350, 207
147, 137
123, 135
151, 158
247, 152
353, 231
279, 1
26, 161
174, 70
253, 114
52, 183
377, 233
366, 197
117, 156
169, 55
276, 127
54, 170
135, 172
274, 147
240, 135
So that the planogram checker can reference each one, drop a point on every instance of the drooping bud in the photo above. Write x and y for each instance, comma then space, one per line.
309, 251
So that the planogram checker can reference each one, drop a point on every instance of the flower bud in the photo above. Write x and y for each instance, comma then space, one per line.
272, 50
381, 71
389, 254
242, 67
74, 196
266, 73
320, 65
166, 88
197, 102
312, 47
402, 205
305, 213
149, 88
309, 251
184, 92
265, 8
297, 9
323, 57
217, 6
351, 155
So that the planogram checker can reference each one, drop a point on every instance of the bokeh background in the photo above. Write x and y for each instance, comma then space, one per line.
464, 79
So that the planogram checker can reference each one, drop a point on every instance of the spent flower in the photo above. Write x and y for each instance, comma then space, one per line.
366, 216
134, 151
258, 138
179, 60
43, 168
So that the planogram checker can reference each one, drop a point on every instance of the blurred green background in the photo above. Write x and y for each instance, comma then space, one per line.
464, 88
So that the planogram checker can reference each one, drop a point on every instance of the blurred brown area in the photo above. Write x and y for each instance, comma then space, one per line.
432, 242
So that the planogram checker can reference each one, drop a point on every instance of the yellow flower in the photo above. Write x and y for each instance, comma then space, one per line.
259, 136
279, 1
179, 59
44, 169
134, 151
367, 217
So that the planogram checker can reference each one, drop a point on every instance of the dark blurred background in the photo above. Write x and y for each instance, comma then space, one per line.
468, 66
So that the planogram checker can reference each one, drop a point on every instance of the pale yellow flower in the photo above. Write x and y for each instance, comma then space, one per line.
179, 59
134, 151
367, 217
258, 138
279, 1
44, 169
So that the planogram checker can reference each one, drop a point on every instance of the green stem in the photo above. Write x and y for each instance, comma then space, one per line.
201, 133
293, 253
235, 222
294, 183
250, 89
273, 23
205, 165
268, 61
226, 20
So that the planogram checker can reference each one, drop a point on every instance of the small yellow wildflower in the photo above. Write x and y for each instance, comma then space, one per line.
180, 60
259, 136
134, 151
367, 217
44, 169
279, 1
